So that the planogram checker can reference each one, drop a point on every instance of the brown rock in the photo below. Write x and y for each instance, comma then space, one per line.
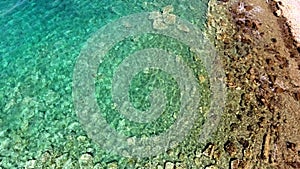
239, 164
294, 164
290, 145
246, 39
230, 148
249, 7
209, 150
266, 146
297, 95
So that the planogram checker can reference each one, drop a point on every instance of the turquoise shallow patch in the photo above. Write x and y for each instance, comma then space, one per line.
144, 83
39, 44
93, 56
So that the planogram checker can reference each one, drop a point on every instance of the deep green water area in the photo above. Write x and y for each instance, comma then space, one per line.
40, 42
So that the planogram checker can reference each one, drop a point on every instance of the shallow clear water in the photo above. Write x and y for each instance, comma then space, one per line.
40, 43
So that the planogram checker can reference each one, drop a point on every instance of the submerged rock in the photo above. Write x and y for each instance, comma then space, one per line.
159, 24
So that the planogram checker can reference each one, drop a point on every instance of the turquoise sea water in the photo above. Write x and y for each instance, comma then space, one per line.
40, 42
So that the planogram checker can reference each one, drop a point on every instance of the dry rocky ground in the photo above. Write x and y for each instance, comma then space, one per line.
260, 127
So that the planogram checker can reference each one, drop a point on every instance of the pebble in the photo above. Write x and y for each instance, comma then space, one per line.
201, 78
30, 164
85, 158
266, 146
158, 24
45, 157
168, 9
169, 165
238, 163
169, 18
59, 161
5, 143
278, 13
179, 165
198, 153
234, 164
162, 20
2, 132
81, 138
98, 166
68, 164
197, 161
209, 150
113, 165
183, 28
211, 167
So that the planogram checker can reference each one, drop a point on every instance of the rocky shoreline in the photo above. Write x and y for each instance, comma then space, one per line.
261, 62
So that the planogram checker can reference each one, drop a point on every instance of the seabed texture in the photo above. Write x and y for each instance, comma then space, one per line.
257, 42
